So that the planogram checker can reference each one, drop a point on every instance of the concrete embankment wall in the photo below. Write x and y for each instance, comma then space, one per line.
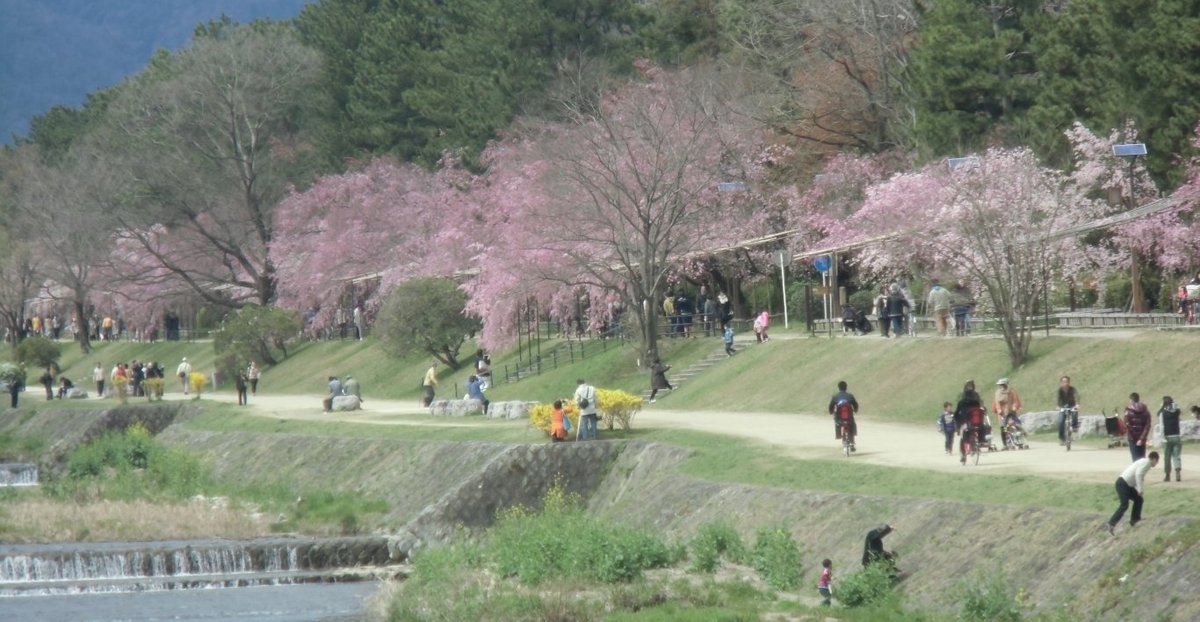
1058, 557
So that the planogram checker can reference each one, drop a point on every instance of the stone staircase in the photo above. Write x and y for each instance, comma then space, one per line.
679, 379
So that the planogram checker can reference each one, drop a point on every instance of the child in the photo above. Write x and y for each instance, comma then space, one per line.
559, 423
824, 585
946, 425
729, 339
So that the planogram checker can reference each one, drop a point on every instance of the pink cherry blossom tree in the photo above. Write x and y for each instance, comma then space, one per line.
612, 202
991, 224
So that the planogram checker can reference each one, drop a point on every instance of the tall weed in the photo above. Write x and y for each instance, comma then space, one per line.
776, 557
713, 541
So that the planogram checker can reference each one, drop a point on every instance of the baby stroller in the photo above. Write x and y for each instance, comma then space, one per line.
1115, 429
1014, 433
854, 321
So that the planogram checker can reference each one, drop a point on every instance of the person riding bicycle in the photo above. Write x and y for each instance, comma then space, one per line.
1006, 403
843, 406
1068, 397
873, 549
969, 417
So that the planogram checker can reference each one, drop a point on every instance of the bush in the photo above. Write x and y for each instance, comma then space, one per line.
255, 333
776, 557
618, 407
713, 541
562, 542
869, 586
987, 598
426, 315
133, 465
541, 416
39, 351
10, 374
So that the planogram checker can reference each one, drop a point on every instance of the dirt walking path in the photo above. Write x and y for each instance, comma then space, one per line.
806, 436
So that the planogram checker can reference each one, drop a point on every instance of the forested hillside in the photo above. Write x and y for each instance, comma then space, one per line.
589, 160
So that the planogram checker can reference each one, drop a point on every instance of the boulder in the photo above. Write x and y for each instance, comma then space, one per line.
76, 393
345, 403
456, 408
1047, 421
1189, 430
515, 409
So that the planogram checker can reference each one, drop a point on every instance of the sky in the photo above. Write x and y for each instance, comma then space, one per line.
55, 52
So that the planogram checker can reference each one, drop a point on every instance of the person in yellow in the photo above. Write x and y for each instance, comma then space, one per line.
430, 382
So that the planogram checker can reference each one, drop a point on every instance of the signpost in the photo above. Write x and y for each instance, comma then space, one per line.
782, 258
823, 264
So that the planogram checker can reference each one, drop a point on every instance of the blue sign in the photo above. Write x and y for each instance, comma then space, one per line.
822, 263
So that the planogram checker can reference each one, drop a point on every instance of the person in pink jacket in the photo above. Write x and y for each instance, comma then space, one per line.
764, 320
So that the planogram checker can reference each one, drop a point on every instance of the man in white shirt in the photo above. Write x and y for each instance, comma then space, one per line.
1131, 485
587, 414
184, 370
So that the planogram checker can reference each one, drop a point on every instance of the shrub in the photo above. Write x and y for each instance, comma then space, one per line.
255, 333
868, 586
618, 407
541, 416
776, 557
39, 351
985, 598
133, 465
562, 542
10, 374
712, 542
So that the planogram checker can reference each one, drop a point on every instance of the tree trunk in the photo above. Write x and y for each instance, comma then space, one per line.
1137, 300
84, 336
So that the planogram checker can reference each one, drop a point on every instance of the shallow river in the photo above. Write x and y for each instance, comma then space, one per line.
311, 602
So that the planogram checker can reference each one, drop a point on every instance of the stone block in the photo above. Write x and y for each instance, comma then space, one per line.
456, 408
345, 403
76, 393
1047, 421
1189, 430
510, 410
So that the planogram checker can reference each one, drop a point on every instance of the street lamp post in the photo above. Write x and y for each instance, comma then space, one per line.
1133, 151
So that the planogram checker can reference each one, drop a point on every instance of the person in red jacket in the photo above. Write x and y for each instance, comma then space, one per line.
1137, 426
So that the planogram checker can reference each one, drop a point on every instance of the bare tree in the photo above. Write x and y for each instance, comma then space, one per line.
828, 69
209, 140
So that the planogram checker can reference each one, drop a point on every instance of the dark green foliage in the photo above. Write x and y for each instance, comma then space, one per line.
38, 351
971, 73
1103, 62
869, 586
776, 557
426, 315
254, 333
419, 78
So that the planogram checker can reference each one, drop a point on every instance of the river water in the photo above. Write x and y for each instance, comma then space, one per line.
309, 602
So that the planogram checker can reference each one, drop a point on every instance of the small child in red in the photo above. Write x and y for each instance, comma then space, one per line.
823, 586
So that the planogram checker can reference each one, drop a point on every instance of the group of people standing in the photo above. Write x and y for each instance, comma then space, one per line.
681, 311
895, 305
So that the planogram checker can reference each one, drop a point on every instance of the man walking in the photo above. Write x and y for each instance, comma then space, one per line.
1137, 426
585, 398
1169, 416
429, 383
938, 302
98, 378
1131, 486
183, 371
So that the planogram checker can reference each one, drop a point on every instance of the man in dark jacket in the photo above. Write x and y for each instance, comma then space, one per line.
1137, 426
969, 416
1169, 416
873, 549
843, 402
897, 309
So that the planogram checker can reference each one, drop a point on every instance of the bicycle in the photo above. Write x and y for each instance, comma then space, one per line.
971, 446
1069, 424
847, 438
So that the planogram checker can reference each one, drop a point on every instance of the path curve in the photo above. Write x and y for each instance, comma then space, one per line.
806, 436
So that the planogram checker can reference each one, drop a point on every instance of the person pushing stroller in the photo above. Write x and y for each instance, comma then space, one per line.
1006, 404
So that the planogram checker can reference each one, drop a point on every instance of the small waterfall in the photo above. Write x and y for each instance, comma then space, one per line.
122, 566
18, 474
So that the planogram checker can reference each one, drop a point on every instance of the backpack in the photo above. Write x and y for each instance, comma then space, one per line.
844, 410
